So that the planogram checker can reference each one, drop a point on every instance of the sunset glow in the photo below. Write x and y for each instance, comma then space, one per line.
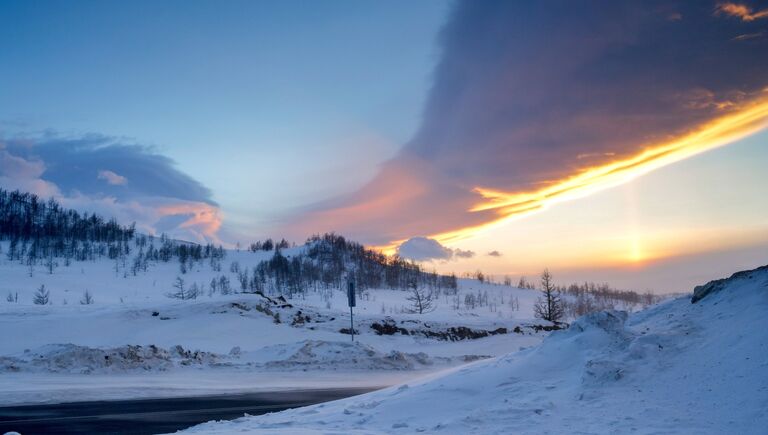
719, 132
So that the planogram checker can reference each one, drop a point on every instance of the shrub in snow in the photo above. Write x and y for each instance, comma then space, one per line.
87, 298
42, 296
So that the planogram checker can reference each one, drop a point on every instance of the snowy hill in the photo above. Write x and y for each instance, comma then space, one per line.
97, 311
134, 340
674, 368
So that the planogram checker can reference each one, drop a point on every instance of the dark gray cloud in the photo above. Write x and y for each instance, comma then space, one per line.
104, 175
494, 254
426, 249
76, 164
461, 253
529, 93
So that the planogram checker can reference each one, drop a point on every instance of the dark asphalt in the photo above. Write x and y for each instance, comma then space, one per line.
151, 416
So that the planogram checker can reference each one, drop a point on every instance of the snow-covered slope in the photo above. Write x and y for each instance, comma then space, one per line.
675, 368
134, 335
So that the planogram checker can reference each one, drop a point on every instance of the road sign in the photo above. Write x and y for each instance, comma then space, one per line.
351, 301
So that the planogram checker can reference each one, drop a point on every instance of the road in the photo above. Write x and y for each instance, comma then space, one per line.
151, 416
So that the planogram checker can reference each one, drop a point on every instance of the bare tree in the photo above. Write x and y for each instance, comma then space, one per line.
470, 301
480, 276
180, 292
50, 264
524, 283
549, 306
42, 296
12, 297
194, 291
224, 286
422, 300
213, 287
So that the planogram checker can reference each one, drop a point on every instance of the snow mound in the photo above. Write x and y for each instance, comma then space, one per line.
335, 355
304, 355
675, 368
71, 358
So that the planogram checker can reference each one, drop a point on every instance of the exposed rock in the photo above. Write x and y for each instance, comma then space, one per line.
701, 291
457, 333
388, 327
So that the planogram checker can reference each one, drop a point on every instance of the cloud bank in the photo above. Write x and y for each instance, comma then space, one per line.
538, 102
104, 175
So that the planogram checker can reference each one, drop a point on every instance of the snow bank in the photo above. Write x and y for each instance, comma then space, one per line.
71, 358
675, 368
323, 355
315, 355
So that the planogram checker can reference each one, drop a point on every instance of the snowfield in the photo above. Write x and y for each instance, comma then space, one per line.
674, 368
134, 341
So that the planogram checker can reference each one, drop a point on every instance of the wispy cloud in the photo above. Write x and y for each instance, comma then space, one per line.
112, 178
742, 11
749, 36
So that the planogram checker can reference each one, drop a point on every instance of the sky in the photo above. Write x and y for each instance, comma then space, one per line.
609, 141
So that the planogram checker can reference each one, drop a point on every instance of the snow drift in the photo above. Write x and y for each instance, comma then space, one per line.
675, 368
303, 355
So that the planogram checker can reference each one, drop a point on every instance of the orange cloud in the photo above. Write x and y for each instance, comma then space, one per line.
751, 118
520, 117
741, 11
204, 219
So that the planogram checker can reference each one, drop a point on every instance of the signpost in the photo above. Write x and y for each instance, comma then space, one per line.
351, 302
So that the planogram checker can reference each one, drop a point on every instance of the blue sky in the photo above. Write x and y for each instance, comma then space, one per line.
239, 94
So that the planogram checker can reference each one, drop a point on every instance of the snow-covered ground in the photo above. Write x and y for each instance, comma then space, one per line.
135, 341
674, 368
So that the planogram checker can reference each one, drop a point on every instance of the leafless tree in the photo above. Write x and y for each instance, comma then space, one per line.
50, 264
549, 306
524, 283
180, 292
470, 301
422, 300
194, 291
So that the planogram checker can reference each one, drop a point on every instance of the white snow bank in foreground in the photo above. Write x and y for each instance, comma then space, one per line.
676, 368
